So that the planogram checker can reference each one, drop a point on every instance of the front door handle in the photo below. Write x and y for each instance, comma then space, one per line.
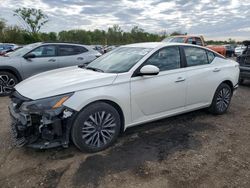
216, 70
180, 79
51, 60
80, 58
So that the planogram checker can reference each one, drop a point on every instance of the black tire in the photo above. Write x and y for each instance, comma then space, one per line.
221, 99
7, 83
98, 121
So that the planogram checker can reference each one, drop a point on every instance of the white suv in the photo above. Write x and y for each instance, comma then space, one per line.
130, 85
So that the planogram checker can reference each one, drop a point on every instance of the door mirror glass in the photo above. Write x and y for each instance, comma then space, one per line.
149, 70
29, 56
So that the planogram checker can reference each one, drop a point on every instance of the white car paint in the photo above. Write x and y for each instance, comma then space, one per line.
142, 98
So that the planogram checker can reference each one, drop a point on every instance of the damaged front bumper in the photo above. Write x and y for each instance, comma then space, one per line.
39, 130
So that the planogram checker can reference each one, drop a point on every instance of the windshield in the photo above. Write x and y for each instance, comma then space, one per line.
119, 60
174, 39
24, 50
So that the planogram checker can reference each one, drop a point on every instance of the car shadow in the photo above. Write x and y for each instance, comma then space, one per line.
150, 142
246, 83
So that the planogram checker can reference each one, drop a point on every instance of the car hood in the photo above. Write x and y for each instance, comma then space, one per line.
61, 81
7, 59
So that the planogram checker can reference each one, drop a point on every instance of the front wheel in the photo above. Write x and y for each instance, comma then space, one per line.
221, 100
96, 127
7, 83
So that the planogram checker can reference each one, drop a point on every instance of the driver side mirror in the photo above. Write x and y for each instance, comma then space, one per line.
29, 56
149, 70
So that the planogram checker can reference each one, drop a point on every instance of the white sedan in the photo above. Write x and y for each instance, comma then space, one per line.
130, 85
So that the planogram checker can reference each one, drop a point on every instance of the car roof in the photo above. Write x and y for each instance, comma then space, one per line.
66, 43
158, 44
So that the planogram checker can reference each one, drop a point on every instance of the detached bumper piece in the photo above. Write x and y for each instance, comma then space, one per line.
40, 131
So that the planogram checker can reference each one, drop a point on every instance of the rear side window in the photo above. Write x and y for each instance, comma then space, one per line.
195, 56
66, 50
210, 56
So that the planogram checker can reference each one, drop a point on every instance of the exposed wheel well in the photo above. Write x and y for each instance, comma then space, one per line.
229, 83
117, 107
12, 72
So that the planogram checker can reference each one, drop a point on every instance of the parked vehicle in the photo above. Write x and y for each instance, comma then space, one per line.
239, 49
39, 57
98, 48
131, 85
7, 47
244, 61
229, 50
196, 40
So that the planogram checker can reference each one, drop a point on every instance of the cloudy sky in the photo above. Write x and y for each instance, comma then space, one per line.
215, 19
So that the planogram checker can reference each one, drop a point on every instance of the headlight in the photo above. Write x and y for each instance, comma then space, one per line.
46, 104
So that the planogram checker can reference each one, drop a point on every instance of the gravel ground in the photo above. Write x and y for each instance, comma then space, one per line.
191, 150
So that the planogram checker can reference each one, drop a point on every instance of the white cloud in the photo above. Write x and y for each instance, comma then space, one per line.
213, 19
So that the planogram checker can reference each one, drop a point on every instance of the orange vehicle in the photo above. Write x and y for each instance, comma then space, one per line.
196, 40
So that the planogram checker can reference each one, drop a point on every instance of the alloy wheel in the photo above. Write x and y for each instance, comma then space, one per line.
223, 99
6, 84
98, 129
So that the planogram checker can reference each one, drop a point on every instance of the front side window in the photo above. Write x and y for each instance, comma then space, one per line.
66, 50
44, 51
119, 60
195, 56
166, 59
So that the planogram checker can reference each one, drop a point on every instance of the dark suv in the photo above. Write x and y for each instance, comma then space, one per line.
244, 61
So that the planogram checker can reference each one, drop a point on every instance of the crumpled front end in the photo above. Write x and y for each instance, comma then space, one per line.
39, 128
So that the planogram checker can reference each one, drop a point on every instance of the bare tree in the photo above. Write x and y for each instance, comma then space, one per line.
34, 19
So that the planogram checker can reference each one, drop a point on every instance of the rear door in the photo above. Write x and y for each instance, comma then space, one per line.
45, 59
202, 76
71, 55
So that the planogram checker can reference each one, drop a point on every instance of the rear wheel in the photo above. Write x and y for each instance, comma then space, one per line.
96, 127
221, 100
7, 83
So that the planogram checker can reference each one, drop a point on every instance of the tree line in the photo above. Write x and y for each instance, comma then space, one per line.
34, 19
113, 36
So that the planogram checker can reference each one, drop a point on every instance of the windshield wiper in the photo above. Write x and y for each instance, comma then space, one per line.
94, 69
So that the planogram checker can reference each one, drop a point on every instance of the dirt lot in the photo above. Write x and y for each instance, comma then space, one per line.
192, 150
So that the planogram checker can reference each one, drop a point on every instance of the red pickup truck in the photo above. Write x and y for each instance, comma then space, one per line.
196, 40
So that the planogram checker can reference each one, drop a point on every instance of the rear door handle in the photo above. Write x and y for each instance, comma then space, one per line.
80, 58
51, 60
216, 70
180, 79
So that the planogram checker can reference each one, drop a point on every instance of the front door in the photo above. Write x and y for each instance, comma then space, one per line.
153, 96
45, 59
